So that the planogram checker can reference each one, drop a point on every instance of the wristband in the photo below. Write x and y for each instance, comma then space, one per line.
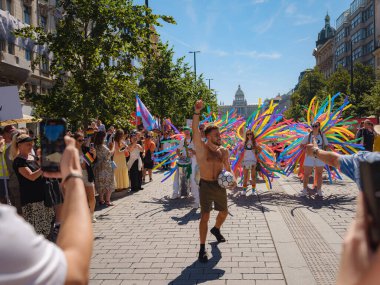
197, 114
72, 175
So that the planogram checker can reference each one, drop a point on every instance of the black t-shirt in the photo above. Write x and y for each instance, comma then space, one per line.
368, 139
30, 191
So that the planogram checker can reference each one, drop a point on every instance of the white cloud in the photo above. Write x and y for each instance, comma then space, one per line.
260, 55
291, 9
265, 26
305, 39
255, 2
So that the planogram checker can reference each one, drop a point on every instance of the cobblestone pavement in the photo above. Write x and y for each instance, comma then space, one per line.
273, 237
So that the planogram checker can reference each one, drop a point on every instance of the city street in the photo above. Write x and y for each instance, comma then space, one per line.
273, 237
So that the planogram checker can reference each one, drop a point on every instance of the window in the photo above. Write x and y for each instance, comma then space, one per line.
368, 14
9, 6
356, 21
368, 48
27, 14
11, 48
45, 64
28, 54
341, 49
370, 30
43, 22
357, 53
358, 36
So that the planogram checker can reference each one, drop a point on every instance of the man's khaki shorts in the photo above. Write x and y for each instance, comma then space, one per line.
210, 191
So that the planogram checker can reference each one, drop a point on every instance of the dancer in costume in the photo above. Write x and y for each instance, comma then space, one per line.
319, 139
251, 150
212, 159
186, 154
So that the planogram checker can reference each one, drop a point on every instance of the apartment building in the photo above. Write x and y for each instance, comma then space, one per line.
355, 35
16, 54
324, 51
376, 53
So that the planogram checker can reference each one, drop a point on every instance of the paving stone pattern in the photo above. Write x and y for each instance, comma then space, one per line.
147, 238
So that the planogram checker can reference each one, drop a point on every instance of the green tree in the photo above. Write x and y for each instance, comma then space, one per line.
373, 100
364, 81
339, 81
95, 46
312, 84
168, 88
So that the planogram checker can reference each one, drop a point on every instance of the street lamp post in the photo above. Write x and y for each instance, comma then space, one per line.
209, 84
195, 62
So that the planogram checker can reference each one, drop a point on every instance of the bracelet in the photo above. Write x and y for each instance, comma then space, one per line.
72, 175
315, 152
197, 114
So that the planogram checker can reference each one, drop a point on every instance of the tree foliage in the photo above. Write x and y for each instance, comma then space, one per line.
94, 47
363, 97
168, 87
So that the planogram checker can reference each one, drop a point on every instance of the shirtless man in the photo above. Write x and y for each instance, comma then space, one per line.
212, 158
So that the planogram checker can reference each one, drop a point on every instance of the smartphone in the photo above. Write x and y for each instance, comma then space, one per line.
370, 183
52, 134
91, 145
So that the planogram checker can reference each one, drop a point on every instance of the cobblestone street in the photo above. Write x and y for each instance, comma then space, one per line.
273, 237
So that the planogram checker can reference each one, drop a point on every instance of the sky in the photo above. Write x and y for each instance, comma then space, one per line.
261, 45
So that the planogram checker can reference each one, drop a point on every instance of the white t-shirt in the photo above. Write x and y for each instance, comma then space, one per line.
190, 145
25, 257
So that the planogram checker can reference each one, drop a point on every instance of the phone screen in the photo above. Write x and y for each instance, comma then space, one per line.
370, 182
52, 133
91, 145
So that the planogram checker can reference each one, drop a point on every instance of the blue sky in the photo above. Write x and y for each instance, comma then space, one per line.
262, 45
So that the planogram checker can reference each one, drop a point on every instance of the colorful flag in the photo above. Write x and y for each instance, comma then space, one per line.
88, 158
147, 119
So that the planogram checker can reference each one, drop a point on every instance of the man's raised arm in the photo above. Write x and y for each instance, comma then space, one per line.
195, 125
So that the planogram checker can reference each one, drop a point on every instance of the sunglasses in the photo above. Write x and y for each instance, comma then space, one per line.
249, 134
315, 126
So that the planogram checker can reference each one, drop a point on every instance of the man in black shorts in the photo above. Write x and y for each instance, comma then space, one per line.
212, 159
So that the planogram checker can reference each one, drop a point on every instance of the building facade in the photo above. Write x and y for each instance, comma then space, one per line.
240, 104
324, 51
16, 54
376, 53
355, 35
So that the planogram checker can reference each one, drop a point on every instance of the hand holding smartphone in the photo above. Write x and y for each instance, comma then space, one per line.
52, 134
370, 183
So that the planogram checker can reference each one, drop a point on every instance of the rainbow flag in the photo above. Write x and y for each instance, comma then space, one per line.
147, 119
90, 132
88, 158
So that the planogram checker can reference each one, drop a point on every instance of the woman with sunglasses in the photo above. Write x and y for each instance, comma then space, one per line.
251, 150
87, 172
317, 138
32, 185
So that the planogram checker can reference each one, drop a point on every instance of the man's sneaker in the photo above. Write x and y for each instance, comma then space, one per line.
203, 257
319, 193
253, 190
243, 193
303, 193
216, 232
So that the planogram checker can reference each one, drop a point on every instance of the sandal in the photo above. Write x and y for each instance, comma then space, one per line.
102, 202
109, 204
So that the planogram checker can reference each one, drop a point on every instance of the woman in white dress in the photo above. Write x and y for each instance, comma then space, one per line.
319, 139
251, 150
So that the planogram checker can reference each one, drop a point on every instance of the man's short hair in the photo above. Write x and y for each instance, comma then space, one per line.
210, 128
